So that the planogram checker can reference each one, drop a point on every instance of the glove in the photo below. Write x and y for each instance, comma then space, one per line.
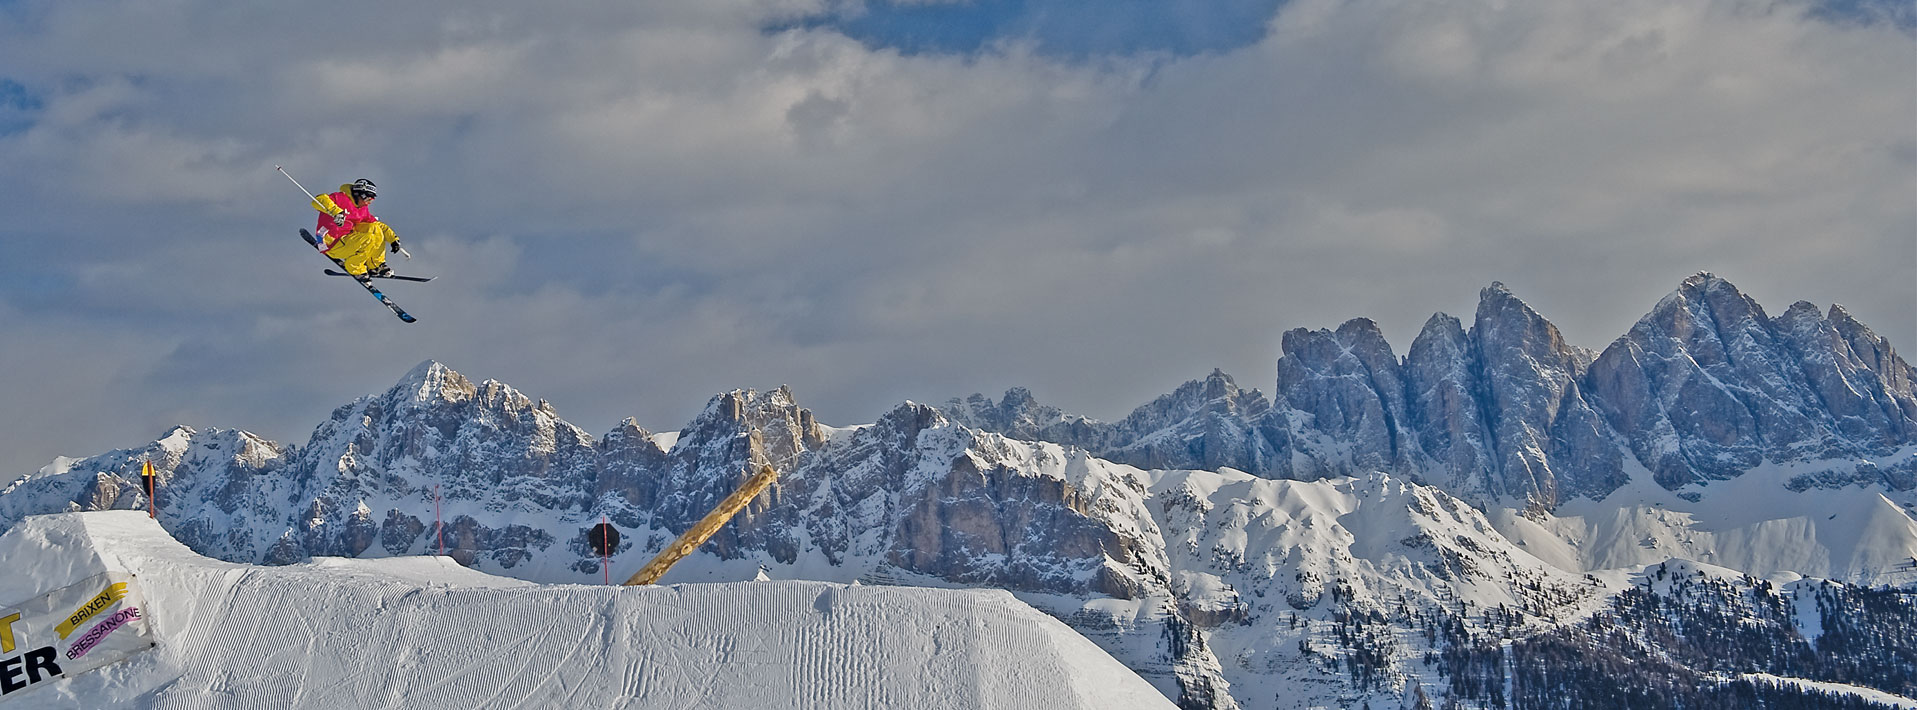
394, 247
339, 218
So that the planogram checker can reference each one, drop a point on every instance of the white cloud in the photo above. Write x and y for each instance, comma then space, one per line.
633, 207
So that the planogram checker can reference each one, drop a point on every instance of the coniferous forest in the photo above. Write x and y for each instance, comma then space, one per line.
1683, 639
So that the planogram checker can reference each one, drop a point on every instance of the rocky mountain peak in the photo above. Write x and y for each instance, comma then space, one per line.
902, 426
1705, 281
1505, 321
1874, 353
1527, 371
1498, 295
1854, 374
1704, 308
432, 382
1018, 399
1707, 386
1020, 415
745, 426
749, 407
1441, 330
1219, 385
1216, 393
630, 439
1443, 384
1350, 387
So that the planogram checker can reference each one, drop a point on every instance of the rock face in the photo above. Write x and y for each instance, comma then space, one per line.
1707, 386
1703, 388
1350, 389
1208, 424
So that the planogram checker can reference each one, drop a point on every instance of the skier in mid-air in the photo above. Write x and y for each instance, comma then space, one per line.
350, 234
352, 237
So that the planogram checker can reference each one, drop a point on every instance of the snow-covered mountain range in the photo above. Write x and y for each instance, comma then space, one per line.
1375, 531
1704, 388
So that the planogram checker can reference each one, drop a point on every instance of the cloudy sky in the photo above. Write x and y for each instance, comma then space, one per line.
633, 206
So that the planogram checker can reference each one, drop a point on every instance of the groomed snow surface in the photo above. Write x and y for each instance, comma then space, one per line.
423, 632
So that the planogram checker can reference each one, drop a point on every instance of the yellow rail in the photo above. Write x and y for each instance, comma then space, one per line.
699, 533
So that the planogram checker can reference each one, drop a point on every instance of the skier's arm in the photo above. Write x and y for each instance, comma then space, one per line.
324, 203
392, 240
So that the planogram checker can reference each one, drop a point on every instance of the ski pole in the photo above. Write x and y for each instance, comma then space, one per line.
296, 183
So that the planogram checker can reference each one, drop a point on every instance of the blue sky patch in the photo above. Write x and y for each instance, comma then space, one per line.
1079, 28
1067, 28
17, 107
1901, 14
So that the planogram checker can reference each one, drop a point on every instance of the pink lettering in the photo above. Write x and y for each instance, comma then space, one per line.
94, 636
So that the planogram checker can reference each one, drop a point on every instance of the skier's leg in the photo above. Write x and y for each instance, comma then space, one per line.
356, 249
357, 264
383, 235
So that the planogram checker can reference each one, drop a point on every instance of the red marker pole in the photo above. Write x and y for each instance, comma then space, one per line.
604, 566
439, 528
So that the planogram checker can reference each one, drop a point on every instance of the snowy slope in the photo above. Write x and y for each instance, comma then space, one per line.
1753, 523
424, 632
1295, 580
1870, 694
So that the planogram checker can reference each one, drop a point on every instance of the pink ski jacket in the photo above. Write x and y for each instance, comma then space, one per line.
341, 201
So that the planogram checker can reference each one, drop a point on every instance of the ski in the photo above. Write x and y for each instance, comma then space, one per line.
396, 277
367, 282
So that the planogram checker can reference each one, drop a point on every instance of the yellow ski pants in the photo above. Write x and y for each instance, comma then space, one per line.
364, 248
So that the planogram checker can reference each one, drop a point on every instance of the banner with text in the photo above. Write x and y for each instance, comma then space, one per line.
71, 631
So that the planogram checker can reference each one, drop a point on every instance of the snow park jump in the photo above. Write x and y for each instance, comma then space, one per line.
186, 631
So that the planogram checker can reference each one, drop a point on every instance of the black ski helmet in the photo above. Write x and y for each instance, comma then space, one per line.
364, 189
